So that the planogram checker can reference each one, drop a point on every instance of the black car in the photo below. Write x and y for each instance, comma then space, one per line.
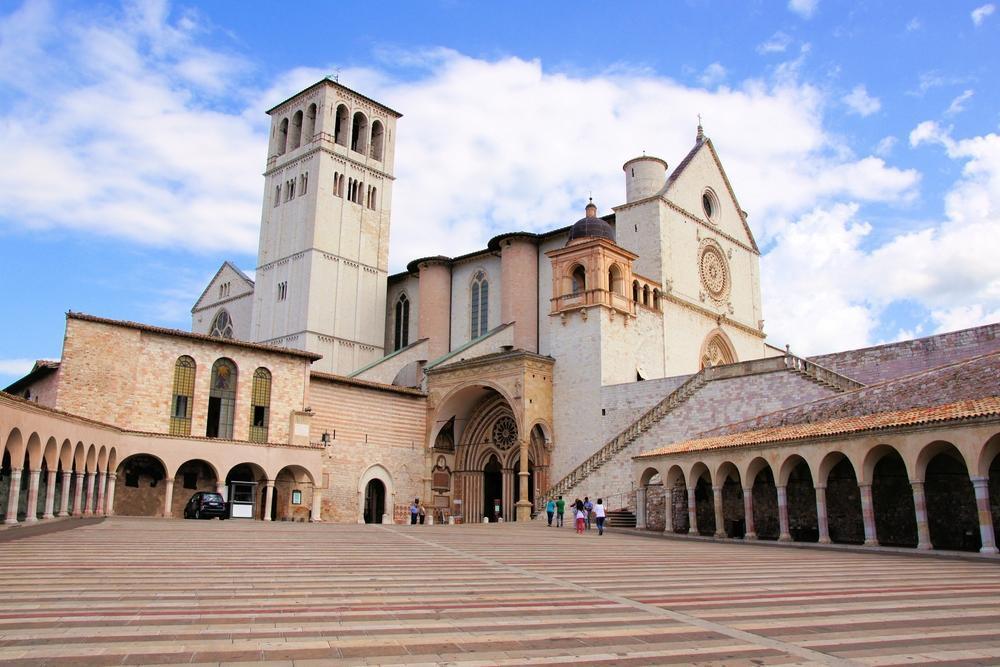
205, 505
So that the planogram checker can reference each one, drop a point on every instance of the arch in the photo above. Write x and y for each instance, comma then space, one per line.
282, 136
374, 502
79, 457
656, 299
845, 520
479, 304
50, 455
33, 453
222, 325
635, 291
102, 459
91, 458
645, 295
800, 492
401, 322
359, 132
717, 350
578, 279
892, 497
66, 454
647, 476
764, 498
309, 127
292, 500
295, 140
727, 476
183, 395
139, 489
378, 138
674, 485
222, 399
15, 447
192, 476
873, 456
704, 498
952, 514
341, 126
246, 486
260, 405
615, 281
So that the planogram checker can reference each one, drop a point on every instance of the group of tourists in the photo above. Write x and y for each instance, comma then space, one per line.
583, 511
417, 512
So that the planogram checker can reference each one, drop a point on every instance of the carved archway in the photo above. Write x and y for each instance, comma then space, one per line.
717, 350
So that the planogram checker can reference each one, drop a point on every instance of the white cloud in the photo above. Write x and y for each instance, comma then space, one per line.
860, 102
713, 74
804, 8
826, 288
15, 368
777, 43
979, 14
914, 24
885, 145
958, 104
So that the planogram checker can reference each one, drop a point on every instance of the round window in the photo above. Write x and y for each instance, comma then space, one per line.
708, 202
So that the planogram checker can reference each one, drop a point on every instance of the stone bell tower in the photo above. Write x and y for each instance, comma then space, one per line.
323, 257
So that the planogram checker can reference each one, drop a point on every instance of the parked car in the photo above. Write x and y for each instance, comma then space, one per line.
205, 505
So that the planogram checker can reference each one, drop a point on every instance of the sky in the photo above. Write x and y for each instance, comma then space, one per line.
861, 137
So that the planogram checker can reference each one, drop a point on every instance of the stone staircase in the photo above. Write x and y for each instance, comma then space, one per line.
620, 519
813, 372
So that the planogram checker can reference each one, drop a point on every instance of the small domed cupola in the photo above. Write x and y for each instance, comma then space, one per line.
591, 226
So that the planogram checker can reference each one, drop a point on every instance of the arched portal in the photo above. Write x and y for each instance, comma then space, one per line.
764, 496
140, 489
192, 476
374, 506
952, 516
246, 486
493, 489
843, 500
892, 499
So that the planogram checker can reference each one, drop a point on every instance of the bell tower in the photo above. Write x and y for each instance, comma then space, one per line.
323, 256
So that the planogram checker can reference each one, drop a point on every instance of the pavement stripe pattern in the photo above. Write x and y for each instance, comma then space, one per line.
147, 591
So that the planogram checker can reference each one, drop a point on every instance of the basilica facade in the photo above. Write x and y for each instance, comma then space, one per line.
545, 363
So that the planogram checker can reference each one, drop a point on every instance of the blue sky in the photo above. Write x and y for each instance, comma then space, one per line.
862, 138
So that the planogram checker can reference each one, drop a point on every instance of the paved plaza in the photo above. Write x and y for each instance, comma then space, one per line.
145, 591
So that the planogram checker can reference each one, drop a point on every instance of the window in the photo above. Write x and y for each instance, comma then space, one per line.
224, 290
277, 195
260, 405
183, 394
378, 134
372, 192
615, 279
480, 304
340, 128
635, 290
303, 183
359, 133
282, 136
402, 322
309, 129
338, 190
282, 290
291, 189
222, 325
221, 400
296, 497
579, 277
710, 203
296, 138
656, 299
645, 295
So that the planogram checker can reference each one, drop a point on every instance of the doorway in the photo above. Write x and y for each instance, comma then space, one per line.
374, 501
492, 489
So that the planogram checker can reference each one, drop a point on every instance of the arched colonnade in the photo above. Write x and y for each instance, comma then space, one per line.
929, 489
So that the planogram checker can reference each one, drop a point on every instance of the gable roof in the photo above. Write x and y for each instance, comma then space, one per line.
41, 369
704, 141
246, 279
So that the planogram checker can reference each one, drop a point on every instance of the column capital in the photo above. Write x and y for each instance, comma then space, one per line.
917, 482
980, 481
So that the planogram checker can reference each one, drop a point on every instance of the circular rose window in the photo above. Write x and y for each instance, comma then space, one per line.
714, 271
504, 433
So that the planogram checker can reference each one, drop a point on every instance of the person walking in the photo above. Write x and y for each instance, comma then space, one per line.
560, 511
421, 512
550, 510
588, 507
599, 515
414, 511
580, 516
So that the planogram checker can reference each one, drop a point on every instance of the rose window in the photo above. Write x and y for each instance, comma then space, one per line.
504, 433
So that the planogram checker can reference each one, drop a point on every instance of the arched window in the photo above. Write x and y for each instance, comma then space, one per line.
341, 126
222, 325
645, 295
579, 280
656, 299
359, 133
615, 279
282, 136
221, 400
309, 129
296, 138
378, 135
180, 406
260, 405
480, 304
402, 321
374, 198
635, 290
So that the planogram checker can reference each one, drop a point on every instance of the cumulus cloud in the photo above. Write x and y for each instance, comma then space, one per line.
804, 8
958, 104
885, 145
914, 24
981, 13
860, 102
777, 43
713, 74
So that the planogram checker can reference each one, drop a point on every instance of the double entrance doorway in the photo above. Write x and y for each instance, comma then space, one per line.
502, 489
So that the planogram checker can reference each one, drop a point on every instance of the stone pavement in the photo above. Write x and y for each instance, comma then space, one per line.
144, 591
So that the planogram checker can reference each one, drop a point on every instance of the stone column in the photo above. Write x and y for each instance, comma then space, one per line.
13, 496
982, 487
67, 480
31, 511
88, 505
102, 489
640, 508
168, 497
920, 509
78, 495
109, 509
784, 535
507, 481
720, 528
50, 495
268, 499
524, 505
317, 508
821, 518
668, 509
751, 533
868, 514
692, 513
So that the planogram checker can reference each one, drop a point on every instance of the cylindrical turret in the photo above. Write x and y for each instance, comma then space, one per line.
519, 288
644, 177
435, 304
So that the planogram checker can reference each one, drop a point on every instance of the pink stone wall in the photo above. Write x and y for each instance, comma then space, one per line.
435, 307
519, 290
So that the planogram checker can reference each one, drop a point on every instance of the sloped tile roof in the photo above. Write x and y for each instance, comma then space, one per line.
968, 409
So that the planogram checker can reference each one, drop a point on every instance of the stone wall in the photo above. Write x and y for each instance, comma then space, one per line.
884, 362
622, 404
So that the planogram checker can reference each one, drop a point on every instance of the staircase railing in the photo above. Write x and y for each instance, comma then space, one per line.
821, 374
